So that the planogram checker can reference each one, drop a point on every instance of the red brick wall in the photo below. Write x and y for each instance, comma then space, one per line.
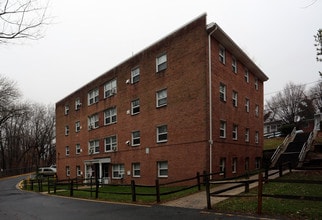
186, 113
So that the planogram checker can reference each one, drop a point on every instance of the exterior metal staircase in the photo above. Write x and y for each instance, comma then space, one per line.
293, 149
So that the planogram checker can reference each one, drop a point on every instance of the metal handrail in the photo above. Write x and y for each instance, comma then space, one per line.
281, 148
306, 147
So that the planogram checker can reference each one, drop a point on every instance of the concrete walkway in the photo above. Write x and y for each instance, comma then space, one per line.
199, 201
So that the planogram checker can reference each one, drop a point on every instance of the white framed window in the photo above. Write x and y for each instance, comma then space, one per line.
161, 62
235, 98
235, 132
257, 162
247, 135
256, 137
93, 96
162, 134
110, 88
135, 75
78, 104
110, 143
257, 110
234, 165
78, 171
78, 149
247, 105
246, 76
256, 83
136, 171
222, 54
118, 171
234, 65
162, 168
93, 147
136, 138
135, 107
66, 130
66, 109
222, 165
222, 133
162, 97
67, 171
67, 150
247, 163
110, 116
77, 126
222, 92
93, 121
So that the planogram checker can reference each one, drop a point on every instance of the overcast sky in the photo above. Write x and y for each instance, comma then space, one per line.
89, 38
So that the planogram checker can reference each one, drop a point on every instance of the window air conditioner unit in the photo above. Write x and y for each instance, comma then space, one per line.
91, 150
121, 175
113, 91
113, 148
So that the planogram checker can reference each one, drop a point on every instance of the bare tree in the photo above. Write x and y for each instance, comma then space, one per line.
316, 96
289, 104
21, 19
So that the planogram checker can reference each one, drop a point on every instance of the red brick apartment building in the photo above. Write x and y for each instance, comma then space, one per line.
191, 102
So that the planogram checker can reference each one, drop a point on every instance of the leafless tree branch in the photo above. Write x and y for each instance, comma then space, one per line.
21, 19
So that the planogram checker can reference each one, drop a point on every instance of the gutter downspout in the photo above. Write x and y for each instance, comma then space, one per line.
211, 142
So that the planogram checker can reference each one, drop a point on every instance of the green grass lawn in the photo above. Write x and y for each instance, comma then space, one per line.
123, 193
272, 143
288, 208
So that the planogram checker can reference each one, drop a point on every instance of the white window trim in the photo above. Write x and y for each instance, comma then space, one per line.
135, 75
119, 168
161, 98
66, 109
246, 75
110, 88
92, 96
66, 130
163, 168
222, 129
162, 133
135, 138
247, 104
136, 169
67, 171
235, 132
234, 165
93, 147
234, 65
235, 98
111, 143
247, 135
222, 92
78, 149
222, 55
161, 61
133, 106
67, 151
222, 165
110, 113
77, 126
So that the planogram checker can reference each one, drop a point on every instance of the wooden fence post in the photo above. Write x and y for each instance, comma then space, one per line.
157, 188
246, 187
260, 193
71, 188
280, 170
55, 186
97, 187
208, 192
198, 181
48, 186
133, 191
